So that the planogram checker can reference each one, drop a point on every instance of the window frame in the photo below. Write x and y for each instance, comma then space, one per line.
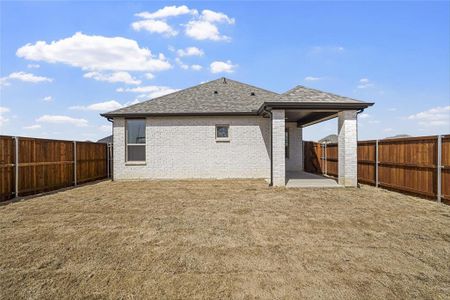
222, 139
134, 144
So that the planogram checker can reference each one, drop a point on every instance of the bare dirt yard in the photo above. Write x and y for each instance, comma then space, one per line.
223, 239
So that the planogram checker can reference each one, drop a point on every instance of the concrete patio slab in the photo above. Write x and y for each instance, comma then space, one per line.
308, 180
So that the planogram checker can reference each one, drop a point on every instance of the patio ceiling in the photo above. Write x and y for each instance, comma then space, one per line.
307, 117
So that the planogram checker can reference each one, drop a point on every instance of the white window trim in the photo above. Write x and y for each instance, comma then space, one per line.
222, 139
135, 162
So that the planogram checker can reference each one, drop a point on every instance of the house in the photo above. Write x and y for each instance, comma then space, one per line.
106, 140
329, 139
228, 129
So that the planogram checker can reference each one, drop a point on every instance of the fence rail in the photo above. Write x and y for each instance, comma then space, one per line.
417, 165
31, 165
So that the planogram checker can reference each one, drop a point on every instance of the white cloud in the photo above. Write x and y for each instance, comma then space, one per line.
364, 116
392, 109
196, 67
181, 64
122, 76
190, 51
154, 26
33, 127
216, 17
33, 66
151, 91
202, 30
312, 78
4, 81
47, 99
95, 52
100, 106
105, 128
437, 116
149, 76
3, 111
221, 66
168, 11
204, 27
364, 83
23, 76
60, 119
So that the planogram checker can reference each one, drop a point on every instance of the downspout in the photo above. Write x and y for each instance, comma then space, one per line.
271, 145
111, 162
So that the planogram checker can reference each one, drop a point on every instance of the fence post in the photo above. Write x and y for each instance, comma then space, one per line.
107, 160
16, 167
322, 165
74, 163
439, 166
326, 159
376, 163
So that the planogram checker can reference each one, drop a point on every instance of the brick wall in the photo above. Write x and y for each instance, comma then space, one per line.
295, 160
185, 147
347, 148
279, 160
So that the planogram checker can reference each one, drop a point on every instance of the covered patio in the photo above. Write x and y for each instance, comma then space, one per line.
302, 107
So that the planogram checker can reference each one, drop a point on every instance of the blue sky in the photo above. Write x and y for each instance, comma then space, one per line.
63, 63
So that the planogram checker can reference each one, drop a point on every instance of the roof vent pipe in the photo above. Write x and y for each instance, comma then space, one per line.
224, 80
252, 94
215, 92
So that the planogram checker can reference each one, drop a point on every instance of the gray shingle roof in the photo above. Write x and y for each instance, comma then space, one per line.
218, 96
225, 96
304, 94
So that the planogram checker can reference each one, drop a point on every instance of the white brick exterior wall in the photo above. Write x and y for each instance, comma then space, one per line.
347, 148
295, 160
185, 147
279, 160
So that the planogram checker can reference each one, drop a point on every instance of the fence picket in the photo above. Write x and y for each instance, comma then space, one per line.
409, 165
30, 165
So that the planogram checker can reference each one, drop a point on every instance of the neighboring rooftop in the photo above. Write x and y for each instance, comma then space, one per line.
225, 96
329, 139
107, 139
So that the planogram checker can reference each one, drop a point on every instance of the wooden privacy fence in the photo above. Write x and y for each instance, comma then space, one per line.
417, 165
30, 165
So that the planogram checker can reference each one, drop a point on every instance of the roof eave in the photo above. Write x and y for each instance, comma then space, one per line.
314, 105
186, 114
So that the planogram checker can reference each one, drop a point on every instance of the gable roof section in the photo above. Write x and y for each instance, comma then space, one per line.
229, 97
221, 96
302, 97
304, 94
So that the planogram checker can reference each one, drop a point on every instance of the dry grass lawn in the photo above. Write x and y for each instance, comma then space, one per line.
223, 239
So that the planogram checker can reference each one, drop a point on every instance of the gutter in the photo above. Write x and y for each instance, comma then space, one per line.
190, 114
313, 105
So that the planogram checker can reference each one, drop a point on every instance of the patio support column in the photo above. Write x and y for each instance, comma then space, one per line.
347, 148
278, 147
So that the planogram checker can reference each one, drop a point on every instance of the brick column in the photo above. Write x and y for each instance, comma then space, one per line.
278, 144
347, 148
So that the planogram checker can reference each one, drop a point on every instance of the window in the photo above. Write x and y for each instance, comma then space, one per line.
135, 140
286, 143
222, 132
